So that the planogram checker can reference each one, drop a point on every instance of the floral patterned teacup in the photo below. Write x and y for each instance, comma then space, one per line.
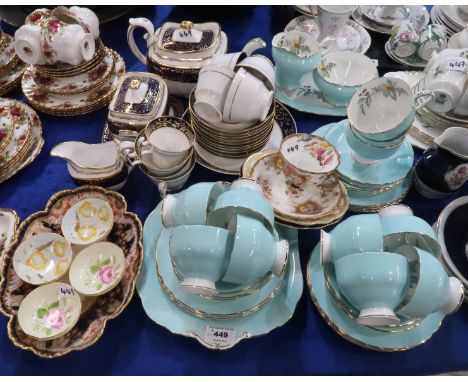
97, 269
49, 311
307, 156
331, 18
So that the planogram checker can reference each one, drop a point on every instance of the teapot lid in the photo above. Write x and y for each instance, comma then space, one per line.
188, 38
139, 95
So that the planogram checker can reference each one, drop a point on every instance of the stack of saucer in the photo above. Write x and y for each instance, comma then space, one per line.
66, 90
378, 280
375, 157
11, 67
454, 17
300, 181
20, 137
231, 140
381, 18
248, 280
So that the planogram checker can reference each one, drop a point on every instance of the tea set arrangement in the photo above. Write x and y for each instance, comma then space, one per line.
219, 261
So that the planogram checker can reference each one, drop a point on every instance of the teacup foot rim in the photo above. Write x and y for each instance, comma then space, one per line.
377, 317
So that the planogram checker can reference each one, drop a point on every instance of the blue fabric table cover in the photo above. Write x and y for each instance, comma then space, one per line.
132, 344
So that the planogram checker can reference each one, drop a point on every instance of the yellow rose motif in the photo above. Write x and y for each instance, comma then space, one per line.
58, 248
37, 260
60, 267
279, 163
387, 85
298, 180
86, 232
104, 214
87, 210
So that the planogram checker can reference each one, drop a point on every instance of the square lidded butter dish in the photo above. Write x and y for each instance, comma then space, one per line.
140, 98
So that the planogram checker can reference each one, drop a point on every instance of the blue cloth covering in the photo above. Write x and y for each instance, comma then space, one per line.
133, 344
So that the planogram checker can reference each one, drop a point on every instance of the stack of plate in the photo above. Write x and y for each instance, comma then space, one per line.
370, 188
222, 320
304, 207
20, 137
372, 18
11, 67
231, 140
454, 17
67, 90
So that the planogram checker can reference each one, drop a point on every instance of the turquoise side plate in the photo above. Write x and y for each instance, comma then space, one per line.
164, 312
309, 98
361, 335
385, 171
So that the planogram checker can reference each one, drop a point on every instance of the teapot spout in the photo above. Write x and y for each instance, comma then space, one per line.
455, 141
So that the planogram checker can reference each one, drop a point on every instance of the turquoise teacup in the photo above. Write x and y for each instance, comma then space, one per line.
255, 252
341, 74
191, 205
431, 289
295, 53
374, 283
365, 152
358, 233
246, 197
201, 255
399, 218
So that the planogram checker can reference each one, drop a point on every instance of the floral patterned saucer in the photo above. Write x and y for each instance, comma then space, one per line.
375, 13
353, 35
8, 223
79, 83
11, 67
49, 311
309, 98
413, 61
310, 201
75, 104
36, 144
161, 309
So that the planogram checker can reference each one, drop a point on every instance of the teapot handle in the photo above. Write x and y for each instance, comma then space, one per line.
149, 36
425, 93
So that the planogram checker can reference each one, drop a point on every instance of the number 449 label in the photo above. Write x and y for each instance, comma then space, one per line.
219, 336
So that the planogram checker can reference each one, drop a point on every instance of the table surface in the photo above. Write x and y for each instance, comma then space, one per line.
132, 343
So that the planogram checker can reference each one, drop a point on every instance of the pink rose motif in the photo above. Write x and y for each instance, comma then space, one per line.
55, 319
407, 37
106, 275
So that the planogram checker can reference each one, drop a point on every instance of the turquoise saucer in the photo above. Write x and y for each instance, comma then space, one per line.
164, 312
361, 201
361, 335
308, 97
382, 173
202, 306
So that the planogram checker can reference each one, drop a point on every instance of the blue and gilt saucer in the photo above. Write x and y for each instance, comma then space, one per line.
358, 334
162, 310
308, 97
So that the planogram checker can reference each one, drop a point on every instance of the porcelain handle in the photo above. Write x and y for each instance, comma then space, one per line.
327, 44
253, 45
162, 188
149, 36
424, 93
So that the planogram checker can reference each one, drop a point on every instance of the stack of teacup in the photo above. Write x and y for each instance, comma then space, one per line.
384, 269
413, 43
222, 239
11, 67
164, 152
71, 72
232, 109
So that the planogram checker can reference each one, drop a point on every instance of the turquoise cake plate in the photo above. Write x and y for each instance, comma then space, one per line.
162, 310
308, 97
349, 329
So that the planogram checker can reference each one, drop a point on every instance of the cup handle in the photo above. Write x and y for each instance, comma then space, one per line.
162, 188
424, 93
327, 44
253, 45
149, 36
